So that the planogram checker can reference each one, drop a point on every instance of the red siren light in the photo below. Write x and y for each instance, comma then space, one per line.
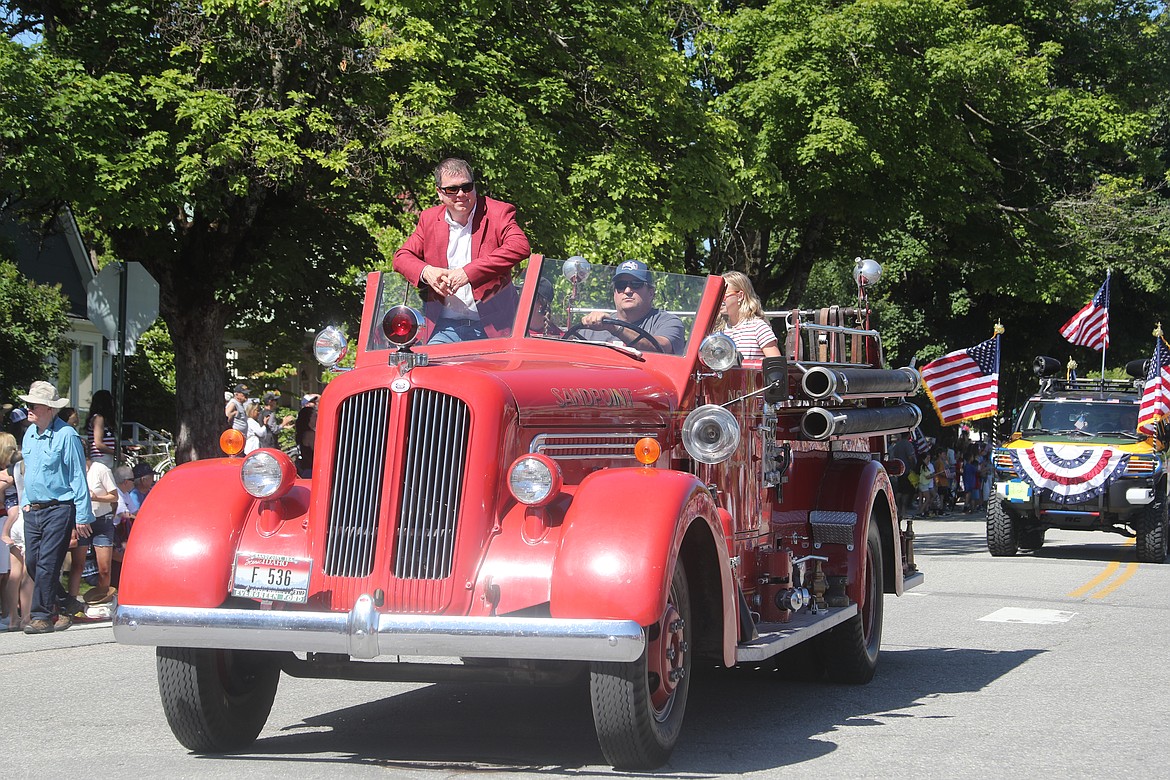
402, 325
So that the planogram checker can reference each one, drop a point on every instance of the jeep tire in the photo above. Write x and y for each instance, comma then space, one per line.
1030, 538
1002, 537
1153, 532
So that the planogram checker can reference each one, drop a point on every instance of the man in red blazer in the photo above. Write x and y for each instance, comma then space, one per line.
461, 256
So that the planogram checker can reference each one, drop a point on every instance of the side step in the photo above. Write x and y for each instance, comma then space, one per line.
777, 637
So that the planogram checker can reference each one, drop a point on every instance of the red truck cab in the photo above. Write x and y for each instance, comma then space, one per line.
536, 507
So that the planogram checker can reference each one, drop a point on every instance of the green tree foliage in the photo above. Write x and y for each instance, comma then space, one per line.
33, 319
997, 157
256, 155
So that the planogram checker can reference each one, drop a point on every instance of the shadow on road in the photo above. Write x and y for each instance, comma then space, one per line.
935, 541
935, 538
738, 721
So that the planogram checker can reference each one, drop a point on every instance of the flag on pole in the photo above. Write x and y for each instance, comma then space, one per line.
1156, 390
964, 385
1089, 327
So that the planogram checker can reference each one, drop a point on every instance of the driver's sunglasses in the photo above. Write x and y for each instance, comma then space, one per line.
458, 188
620, 286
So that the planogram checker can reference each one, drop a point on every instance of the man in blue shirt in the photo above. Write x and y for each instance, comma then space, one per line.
56, 500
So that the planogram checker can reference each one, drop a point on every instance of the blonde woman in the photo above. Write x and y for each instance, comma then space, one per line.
17, 592
741, 316
255, 428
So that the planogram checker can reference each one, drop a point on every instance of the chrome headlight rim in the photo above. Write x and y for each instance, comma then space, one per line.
718, 352
330, 346
711, 434
267, 474
534, 479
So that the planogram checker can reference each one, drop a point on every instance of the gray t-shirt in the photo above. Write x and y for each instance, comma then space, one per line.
656, 323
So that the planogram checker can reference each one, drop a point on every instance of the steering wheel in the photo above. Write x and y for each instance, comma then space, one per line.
642, 334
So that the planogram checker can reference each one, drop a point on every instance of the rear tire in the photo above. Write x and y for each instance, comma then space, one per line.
1031, 539
851, 649
638, 707
1153, 533
1002, 540
216, 701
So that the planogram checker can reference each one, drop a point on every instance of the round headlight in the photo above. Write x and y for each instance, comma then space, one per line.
718, 352
711, 434
267, 474
534, 480
329, 346
402, 325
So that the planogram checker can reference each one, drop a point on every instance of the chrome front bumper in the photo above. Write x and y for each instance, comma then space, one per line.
364, 632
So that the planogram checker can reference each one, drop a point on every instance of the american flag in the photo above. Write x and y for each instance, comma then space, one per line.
1089, 327
1156, 390
964, 385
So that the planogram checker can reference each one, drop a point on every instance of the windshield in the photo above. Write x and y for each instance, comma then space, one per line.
623, 305
1079, 417
653, 312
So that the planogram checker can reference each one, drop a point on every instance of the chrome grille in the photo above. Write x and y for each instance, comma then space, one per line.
356, 494
432, 483
588, 446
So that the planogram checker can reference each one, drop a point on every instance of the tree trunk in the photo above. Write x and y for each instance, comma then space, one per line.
188, 268
200, 378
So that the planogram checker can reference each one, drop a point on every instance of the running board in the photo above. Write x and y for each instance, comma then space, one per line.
777, 637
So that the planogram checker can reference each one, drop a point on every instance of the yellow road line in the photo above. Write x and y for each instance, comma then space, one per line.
1130, 569
1088, 586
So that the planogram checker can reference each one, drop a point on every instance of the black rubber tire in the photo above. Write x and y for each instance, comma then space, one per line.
1153, 533
851, 649
637, 710
1002, 538
1031, 539
216, 701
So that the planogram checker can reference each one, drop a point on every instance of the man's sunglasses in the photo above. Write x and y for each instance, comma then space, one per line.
619, 286
456, 189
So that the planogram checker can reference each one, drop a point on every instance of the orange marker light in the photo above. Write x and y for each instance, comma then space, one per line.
647, 451
231, 442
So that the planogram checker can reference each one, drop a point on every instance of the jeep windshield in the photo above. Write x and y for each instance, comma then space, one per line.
1079, 418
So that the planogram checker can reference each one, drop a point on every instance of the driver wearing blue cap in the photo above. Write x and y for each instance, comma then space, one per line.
636, 318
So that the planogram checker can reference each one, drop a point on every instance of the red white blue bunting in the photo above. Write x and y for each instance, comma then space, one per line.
1069, 473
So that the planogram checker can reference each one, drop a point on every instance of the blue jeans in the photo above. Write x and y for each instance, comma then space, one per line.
46, 541
448, 331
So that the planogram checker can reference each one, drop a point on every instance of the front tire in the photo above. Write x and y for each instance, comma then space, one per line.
851, 649
1002, 540
638, 707
1153, 533
216, 701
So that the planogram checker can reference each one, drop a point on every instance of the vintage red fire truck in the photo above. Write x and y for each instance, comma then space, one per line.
539, 507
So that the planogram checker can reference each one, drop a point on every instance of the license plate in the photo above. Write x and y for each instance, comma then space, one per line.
1018, 490
272, 577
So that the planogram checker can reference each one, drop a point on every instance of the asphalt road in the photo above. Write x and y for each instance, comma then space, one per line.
1053, 663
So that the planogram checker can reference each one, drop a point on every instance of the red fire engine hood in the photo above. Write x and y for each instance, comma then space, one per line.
565, 394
